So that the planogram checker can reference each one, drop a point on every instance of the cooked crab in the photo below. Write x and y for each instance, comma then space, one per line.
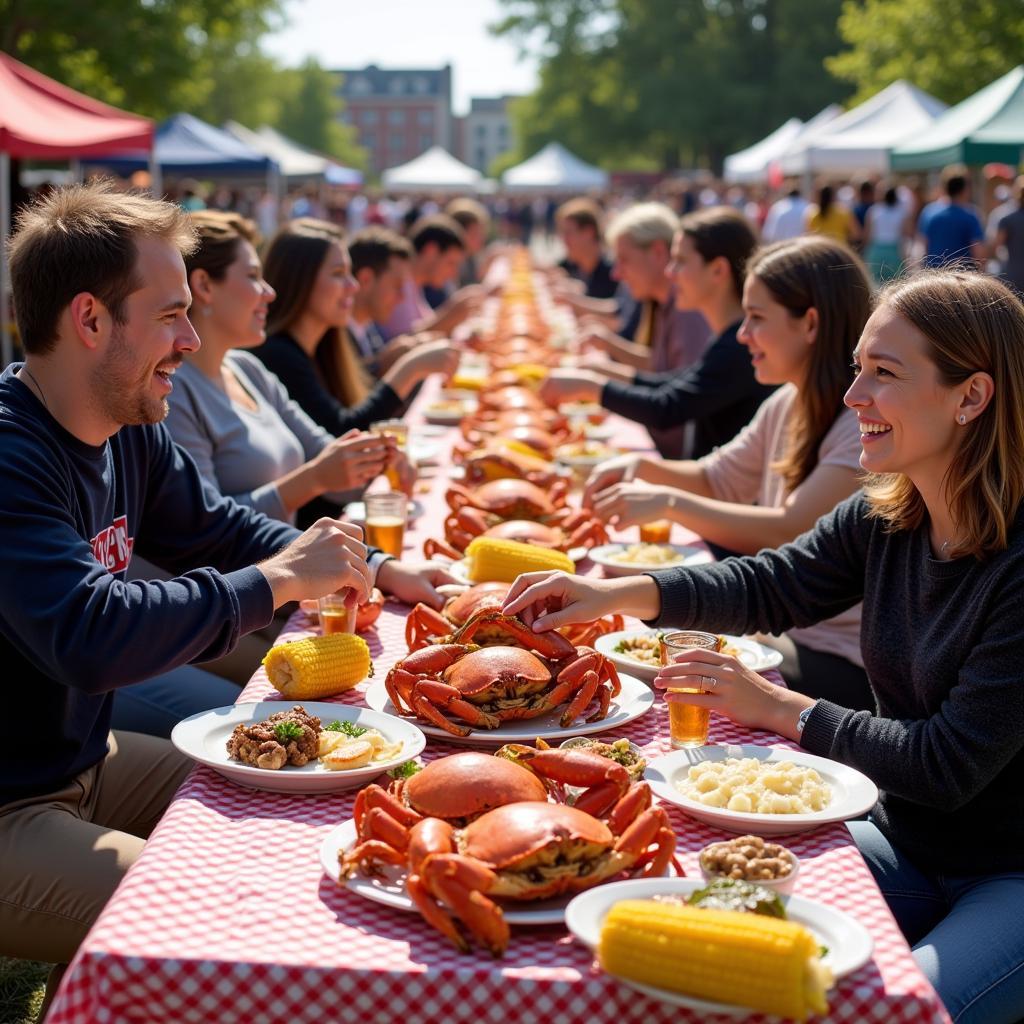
486, 686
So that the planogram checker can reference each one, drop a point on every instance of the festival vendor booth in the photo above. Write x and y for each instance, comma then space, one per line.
296, 163
859, 141
436, 170
554, 169
187, 147
987, 127
759, 163
42, 119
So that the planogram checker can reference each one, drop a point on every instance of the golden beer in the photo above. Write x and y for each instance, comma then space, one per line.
657, 532
386, 533
687, 724
334, 615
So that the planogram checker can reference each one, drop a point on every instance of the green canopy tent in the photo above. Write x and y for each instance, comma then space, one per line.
987, 127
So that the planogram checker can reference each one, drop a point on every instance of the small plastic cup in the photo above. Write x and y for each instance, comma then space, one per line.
385, 521
335, 615
687, 724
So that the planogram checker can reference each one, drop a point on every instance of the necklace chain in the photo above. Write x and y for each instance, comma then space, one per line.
37, 386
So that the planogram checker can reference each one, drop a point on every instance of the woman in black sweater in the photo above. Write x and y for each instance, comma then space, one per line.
718, 395
307, 346
935, 549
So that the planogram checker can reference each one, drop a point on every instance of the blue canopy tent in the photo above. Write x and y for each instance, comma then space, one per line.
186, 146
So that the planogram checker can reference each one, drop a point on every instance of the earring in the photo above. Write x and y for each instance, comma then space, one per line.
207, 310
962, 419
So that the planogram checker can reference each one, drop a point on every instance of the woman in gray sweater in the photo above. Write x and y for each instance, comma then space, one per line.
934, 547
232, 415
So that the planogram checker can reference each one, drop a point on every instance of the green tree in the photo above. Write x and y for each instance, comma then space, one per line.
946, 47
310, 110
154, 57
671, 82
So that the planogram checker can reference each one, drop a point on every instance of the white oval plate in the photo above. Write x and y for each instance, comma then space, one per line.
460, 569
389, 887
356, 511
853, 793
692, 555
849, 942
634, 700
423, 451
753, 654
447, 417
204, 738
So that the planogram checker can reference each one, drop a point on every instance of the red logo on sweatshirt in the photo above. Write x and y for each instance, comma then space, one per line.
113, 547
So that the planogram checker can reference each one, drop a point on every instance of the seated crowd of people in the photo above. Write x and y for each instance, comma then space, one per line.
194, 409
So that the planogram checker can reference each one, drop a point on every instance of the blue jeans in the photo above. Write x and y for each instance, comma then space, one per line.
966, 931
156, 706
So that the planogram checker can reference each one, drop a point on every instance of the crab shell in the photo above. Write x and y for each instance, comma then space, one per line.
527, 531
460, 608
510, 498
538, 849
495, 673
465, 785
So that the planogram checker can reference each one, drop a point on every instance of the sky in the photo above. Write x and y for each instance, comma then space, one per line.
408, 33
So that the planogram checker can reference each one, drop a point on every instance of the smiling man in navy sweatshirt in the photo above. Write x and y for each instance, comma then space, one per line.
89, 475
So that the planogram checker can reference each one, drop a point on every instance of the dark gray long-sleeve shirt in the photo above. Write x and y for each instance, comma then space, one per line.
942, 645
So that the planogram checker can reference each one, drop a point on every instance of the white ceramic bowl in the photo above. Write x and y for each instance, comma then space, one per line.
783, 885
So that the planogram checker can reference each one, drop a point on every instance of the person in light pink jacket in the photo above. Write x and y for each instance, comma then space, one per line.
805, 302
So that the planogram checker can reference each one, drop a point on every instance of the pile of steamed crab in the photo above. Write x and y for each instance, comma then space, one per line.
459, 685
473, 828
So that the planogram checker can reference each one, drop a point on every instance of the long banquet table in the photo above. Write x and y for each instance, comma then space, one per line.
227, 918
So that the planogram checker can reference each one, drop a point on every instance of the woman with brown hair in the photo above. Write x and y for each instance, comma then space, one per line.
716, 396
307, 347
248, 438
806, 302
934, 547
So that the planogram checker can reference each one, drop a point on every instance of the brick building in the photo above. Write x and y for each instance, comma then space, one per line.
398, 113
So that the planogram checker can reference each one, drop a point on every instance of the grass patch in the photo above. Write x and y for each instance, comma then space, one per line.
22, 984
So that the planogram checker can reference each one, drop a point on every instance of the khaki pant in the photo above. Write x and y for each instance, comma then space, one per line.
64, 853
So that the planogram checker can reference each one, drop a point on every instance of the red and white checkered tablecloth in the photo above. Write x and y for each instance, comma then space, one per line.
227, 918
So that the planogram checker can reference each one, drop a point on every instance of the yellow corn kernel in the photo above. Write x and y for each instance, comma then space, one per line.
765, 963
521, 448
489, 558
319, 666
465, 382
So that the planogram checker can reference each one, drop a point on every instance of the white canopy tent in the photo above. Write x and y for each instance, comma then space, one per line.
295, 161
436, 170
754, 163
554, 169
860, 139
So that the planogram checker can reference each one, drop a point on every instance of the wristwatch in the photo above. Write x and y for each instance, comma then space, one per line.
802, 719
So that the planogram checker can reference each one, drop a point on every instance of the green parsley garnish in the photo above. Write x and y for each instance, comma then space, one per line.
405, 770
348, 728
285, 731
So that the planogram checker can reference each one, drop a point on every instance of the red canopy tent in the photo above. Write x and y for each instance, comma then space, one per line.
42, 119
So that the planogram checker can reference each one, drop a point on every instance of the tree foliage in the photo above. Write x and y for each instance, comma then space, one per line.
158, 57
309, 114
670, 82
946, 47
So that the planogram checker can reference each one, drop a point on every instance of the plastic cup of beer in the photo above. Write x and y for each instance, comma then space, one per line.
334, 615
687, 724
385, 521
657, 532
399, 430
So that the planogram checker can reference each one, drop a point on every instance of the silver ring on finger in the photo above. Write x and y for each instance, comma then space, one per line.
710, 684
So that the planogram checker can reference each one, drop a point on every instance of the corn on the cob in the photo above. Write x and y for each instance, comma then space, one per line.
319, 666
522, 448
765, 963
489, 558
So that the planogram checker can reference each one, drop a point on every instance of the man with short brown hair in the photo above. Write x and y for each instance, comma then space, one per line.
91, 476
